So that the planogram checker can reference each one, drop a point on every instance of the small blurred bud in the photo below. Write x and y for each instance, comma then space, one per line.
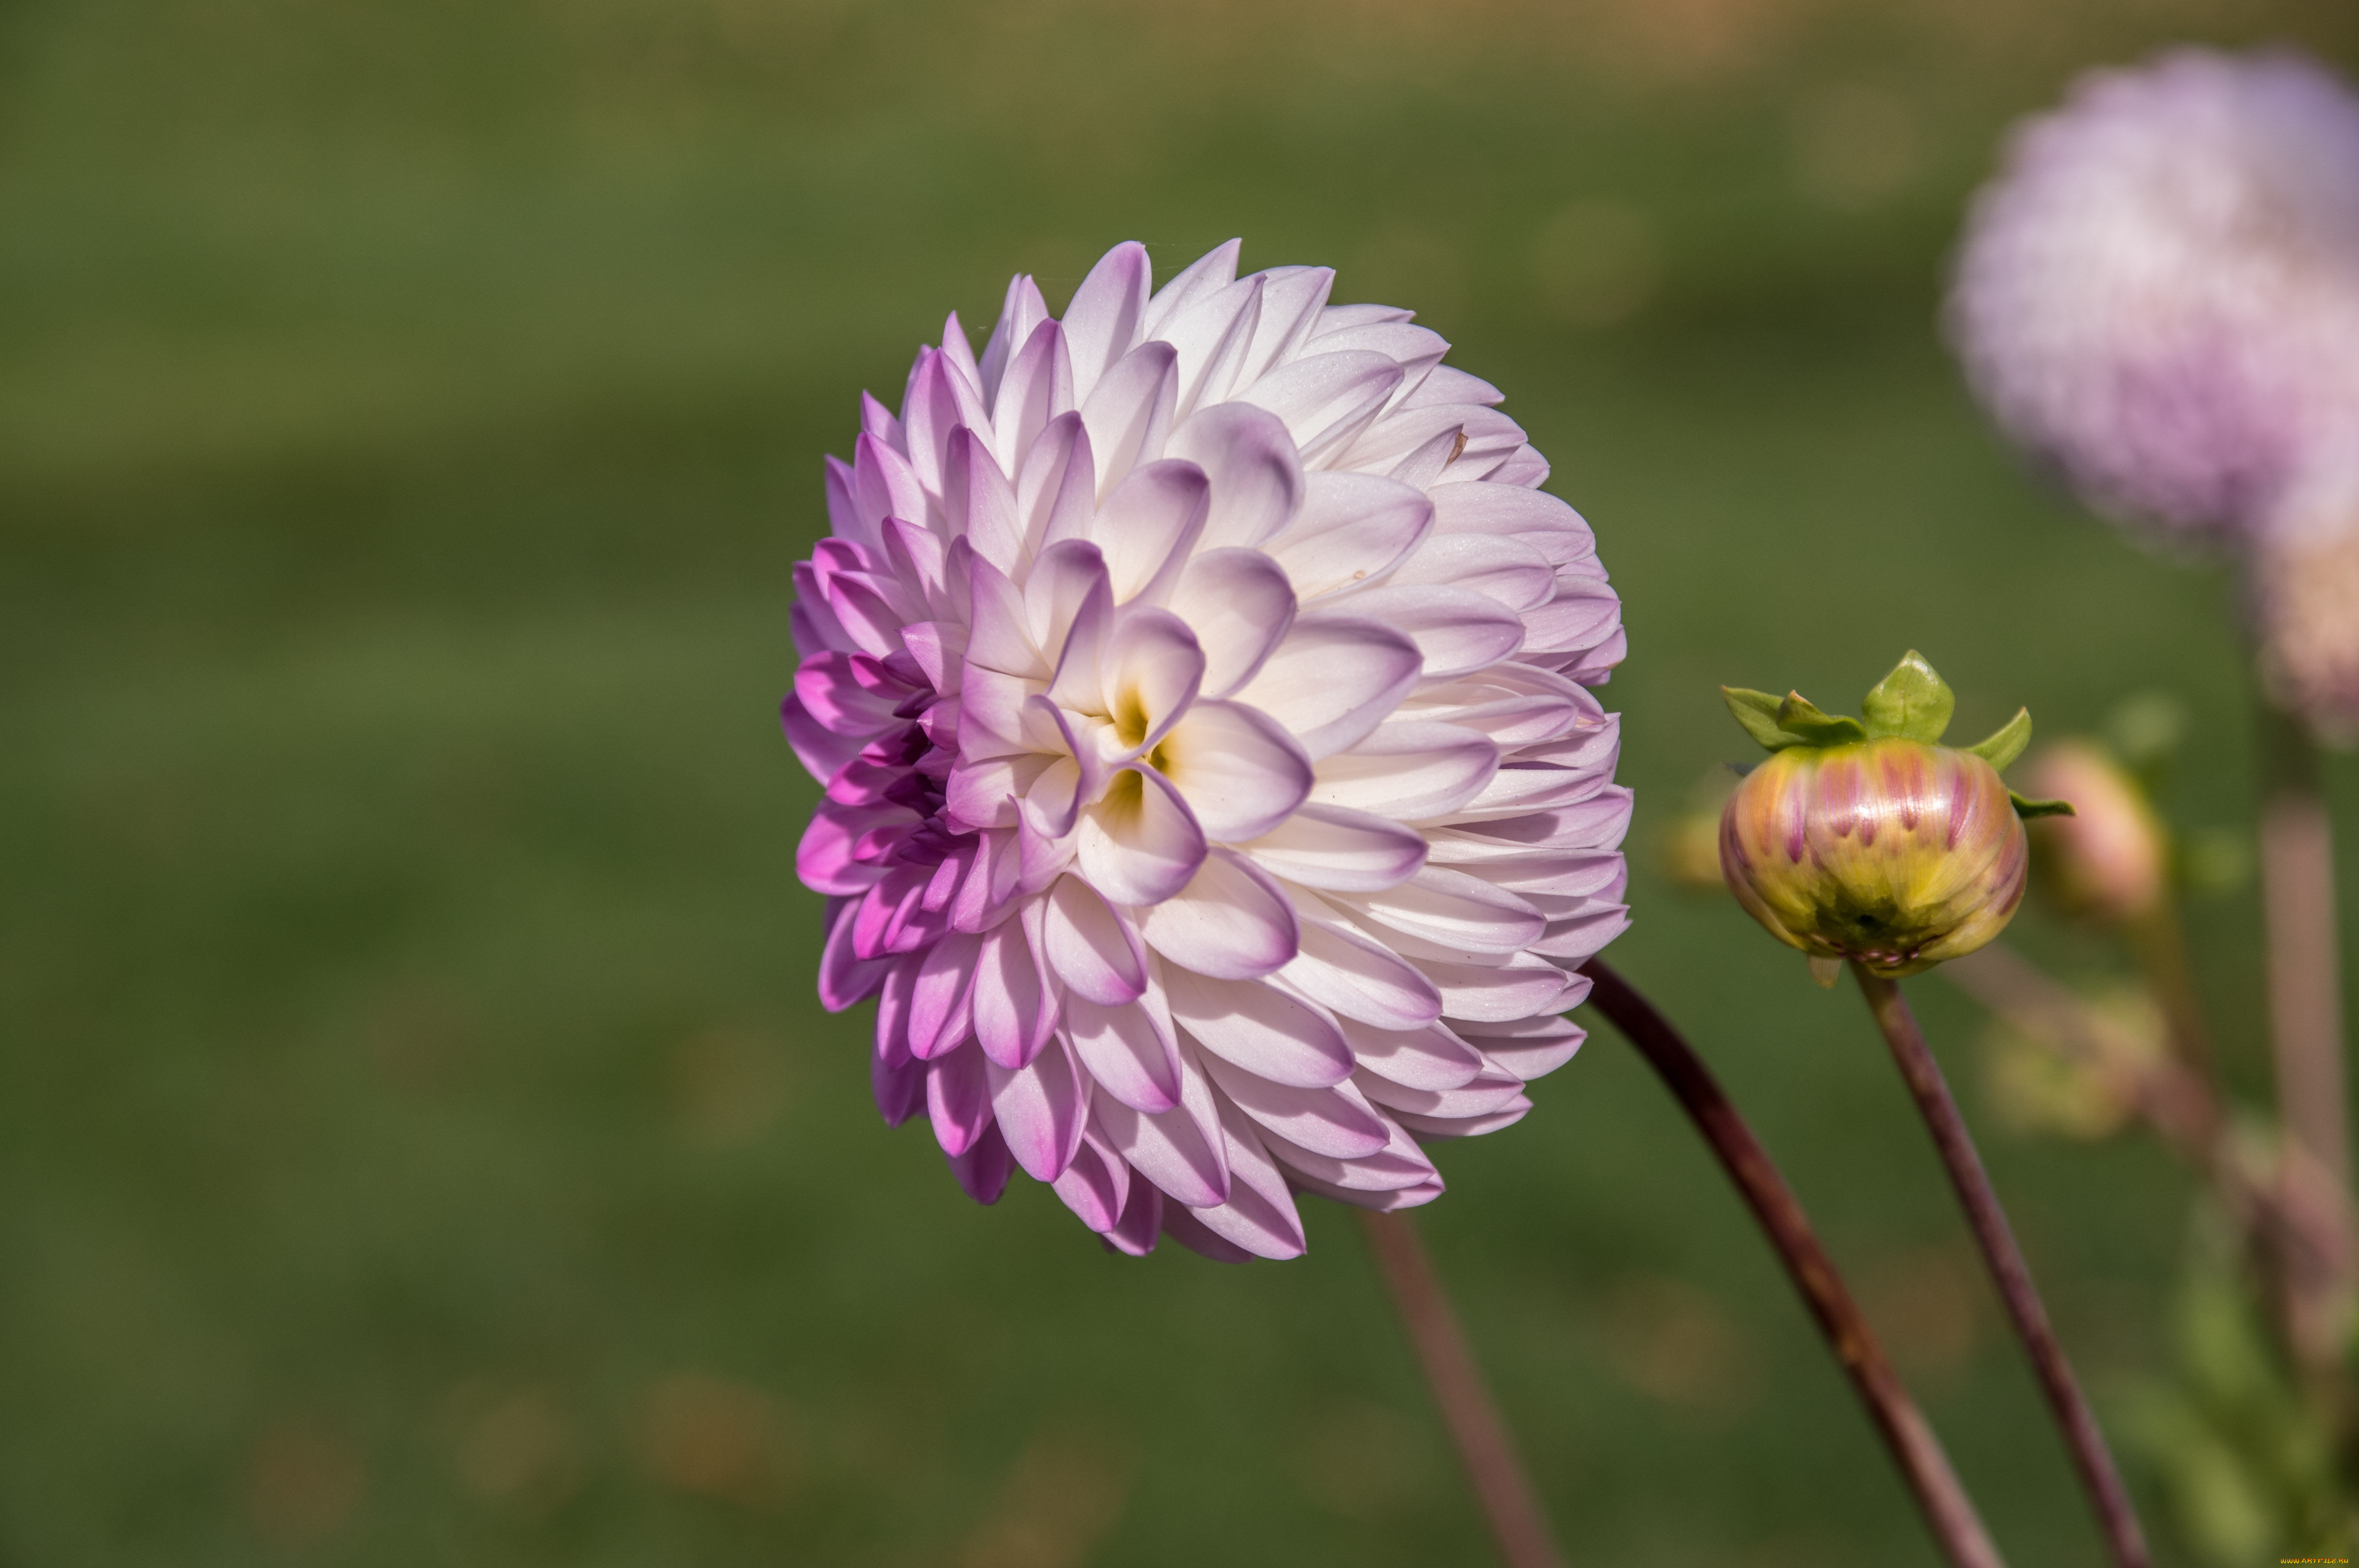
1871, 840
2033, 1087
2110, 860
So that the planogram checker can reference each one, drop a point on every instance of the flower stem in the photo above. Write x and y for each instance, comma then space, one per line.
1501, 1484
1948, 1510
2119, 1522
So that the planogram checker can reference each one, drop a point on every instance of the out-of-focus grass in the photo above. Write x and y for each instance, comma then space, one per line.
417, 1141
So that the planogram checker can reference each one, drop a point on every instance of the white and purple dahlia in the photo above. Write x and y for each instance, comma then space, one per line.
2160, 292
1216, 805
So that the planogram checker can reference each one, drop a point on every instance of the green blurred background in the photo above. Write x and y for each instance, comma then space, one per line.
417, 1140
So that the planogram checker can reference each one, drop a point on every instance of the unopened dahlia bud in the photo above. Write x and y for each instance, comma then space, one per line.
2160, 294
1872, 840
2110, 860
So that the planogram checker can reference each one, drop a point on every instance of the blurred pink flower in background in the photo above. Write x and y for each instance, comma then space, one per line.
2160, 293
1215, 803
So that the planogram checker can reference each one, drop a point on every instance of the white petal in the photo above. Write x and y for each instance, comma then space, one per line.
1022, 312
1326, 398
1240, 772
1200, 280
1329, 846
1399, 1165
1533, 1047
1231, 922
1509, 510
1212, 336
1091, 949
1148, 670
1039, 387
1256, 476
1260, 1029
1259, 1215
1352, 529
1408, 772
1433, 1058
1139, 843
1336, 1121
1333, 679
1107, 313
1456, 631
1129, 414
1066, 577
1292, 298
1354, 976
1131, 1050
1057, 484
1096, 1185
1523, 986
1506, 569
1181, 1150
1470, 1126
1452, 910
1148, 526
1241, 605
1041, 1109
1481, 1095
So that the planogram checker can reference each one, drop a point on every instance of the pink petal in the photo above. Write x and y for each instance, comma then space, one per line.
1147, 527
957, 1096
1452, 910
1353, 529
1139, 844
1259, 1215
1326, 399
1141, 1221
1231, 922
1041, 1109
1241, 606
1150, 668
1015, 1006
1260, 1028
1433, 1058
1509, 510
1333, 679
1107, 313
983, 1169
1399, 1166
1180, 1150
1255, 474
1039, 387
942, 999
1408, 772
1212, 336
1519, 988
1456, 630
1503, 568
1131, 1051
1129, 415
1529, 1048
1090, 949
1023, 310
1241, 772
1096, 1184
1357, 977
1337, 1121
1331, 847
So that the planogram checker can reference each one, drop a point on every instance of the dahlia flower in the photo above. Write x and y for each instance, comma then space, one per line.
2160, 293
1215, 804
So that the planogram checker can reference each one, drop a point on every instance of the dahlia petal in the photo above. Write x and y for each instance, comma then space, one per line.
958, 1097
1448, 386
1291, 301
1260, 1028
1129, 415
1090, 948
1524, 466
1451, 909
1408, 772
1231, 922
1582, 613
1333, 847
1336, 1121
826, 858
1211, 337
1485, 1093
959, 354
1241, 605
885, 485
1131, 1051
999, 632
1149, 667
845, 978
1015, 1005
1354, 977
1096, 1184
1239, 771
1583, 936
1148, 526
1067, 581
1503, 568
1433, 1058
1041, 1108
1139, 844
1531, 1048
1327, 398
1202, 278
1180, 1150
1332, 680
1338, 318
979, 500
1182, 1226
1019, 314
1037, 388
1255, 473
942, 999
1469, 1127
1456, 630
1353, 529
1399, 1166
982, 1170
1524, 985
1417, 349
1057, 486
1390, 1201
1141, 1221
1509, 510
1259, 1215
1107, 313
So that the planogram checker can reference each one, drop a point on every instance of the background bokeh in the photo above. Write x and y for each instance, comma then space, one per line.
417, 1140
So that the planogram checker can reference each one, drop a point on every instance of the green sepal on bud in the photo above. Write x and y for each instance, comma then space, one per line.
1869, 840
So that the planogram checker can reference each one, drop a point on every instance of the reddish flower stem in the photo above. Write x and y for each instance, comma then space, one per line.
2117, 1519
1948, 1510
1484, 1445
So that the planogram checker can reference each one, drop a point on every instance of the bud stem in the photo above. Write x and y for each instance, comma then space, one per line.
1485, 1446
2123, 1538
1947, 1508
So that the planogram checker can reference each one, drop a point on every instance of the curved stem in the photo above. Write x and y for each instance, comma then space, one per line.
1948, 1510
1484, 1445
2125, 1541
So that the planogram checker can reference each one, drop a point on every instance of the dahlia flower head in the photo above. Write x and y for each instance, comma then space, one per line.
1215, 802
2160, 293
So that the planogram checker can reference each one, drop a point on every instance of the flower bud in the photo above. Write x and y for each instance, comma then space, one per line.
2109, 860
1874, 841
